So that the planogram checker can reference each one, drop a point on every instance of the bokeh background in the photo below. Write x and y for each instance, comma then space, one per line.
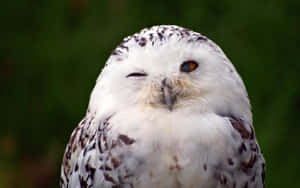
52, 51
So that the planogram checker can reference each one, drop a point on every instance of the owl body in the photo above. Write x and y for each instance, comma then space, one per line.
165, 125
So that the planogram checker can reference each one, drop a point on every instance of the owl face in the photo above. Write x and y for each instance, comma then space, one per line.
173, 74
169, 77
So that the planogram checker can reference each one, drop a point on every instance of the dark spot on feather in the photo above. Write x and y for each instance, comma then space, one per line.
104, 137
93, 146
252, 133
238, 125
242, 148
123, 47
142, 42
99, 146
230, 161
205, 166
92, 137
187, 32
83, 183
105, 167
263, 173
135, 38
91, 171
249, 164
74, 147
61, 181
116, 52
82, 122
84, 151
109, 178
160, 36
115, 162
125, 139
253, 147
201, 38
223, 179
76, 167
151, 36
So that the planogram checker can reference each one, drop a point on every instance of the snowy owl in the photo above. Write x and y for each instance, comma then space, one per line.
168, 110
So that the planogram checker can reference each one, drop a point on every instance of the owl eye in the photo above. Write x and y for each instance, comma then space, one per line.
188, 66
136, 74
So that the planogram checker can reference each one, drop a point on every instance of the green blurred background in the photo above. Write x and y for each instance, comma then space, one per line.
52, 51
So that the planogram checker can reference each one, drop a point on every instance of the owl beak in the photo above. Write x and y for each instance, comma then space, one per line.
169, 97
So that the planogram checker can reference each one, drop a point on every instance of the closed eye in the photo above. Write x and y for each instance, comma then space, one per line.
136, 74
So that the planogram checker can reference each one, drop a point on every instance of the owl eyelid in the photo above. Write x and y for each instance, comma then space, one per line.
136, 74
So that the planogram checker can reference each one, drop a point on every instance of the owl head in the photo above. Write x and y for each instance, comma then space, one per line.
170, 68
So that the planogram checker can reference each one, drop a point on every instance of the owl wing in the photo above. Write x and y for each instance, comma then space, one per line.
90, 160
246, 166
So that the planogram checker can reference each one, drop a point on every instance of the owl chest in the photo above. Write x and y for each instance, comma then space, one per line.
173, 152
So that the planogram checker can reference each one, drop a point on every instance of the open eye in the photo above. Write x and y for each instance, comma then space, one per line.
136, 74
188, 66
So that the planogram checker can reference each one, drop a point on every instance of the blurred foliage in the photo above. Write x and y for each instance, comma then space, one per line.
52, 51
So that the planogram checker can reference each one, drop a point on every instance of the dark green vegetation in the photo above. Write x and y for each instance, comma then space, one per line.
52, 51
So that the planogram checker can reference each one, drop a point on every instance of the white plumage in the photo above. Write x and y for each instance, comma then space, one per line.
168, 110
